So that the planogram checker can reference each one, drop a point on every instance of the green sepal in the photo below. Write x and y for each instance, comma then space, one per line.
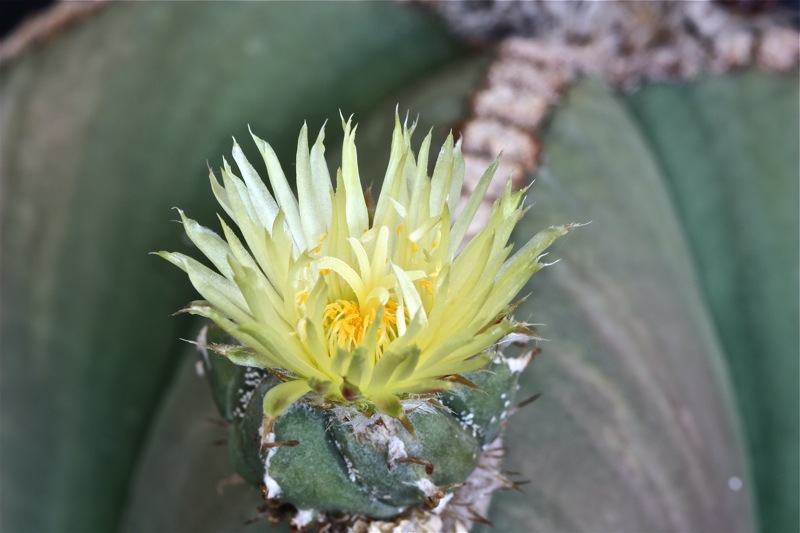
238, 354
278, 398
391, 405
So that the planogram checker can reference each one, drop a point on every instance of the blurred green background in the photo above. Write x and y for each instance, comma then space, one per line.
672, 318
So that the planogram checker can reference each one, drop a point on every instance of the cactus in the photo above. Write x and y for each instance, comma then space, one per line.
103, 427
366, 316
366, 464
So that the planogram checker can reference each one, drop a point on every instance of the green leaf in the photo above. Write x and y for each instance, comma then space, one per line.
728, 147
635, 425
636, 429
105, 127
187, 443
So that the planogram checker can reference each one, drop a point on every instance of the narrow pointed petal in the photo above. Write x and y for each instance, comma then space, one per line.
361, 256
346, 272
353, 309
466, 216
421, 184
457, 178
208, 242
410, 295
219, 291
265, 205
357, 215
442, 177
396, 160
313, 195
283, 193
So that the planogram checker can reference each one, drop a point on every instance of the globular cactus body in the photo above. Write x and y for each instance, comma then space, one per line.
358, 329
338, 459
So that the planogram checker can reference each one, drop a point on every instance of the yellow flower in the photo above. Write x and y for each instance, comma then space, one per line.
355, 307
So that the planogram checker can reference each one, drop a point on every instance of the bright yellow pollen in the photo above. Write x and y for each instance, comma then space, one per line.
302, 297
399, 229
325, 271
427, 285
436, 240
318, 249
346, 325
414, 247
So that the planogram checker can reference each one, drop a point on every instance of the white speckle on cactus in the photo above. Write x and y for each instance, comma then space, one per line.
303, 518
352, 472
381, 430
511, 338
468, 423
252, 377
427, 487
454, 511
396, 450
273, 489
518, 364
442, 503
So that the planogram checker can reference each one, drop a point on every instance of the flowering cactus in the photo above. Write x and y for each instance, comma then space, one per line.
373, 323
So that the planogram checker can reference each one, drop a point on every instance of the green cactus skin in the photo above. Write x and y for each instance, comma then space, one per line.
486, 408
313, 474
341, 460
375, 452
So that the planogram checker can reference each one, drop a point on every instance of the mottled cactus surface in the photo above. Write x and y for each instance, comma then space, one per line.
339, 459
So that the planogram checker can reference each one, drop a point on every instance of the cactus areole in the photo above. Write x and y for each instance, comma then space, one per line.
357, 347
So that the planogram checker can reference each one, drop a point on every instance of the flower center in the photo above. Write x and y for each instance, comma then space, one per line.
346, 324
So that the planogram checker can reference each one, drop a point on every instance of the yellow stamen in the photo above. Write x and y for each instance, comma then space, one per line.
302, 297
437, 238
427, 284
346, 325
399, 229
318, 249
